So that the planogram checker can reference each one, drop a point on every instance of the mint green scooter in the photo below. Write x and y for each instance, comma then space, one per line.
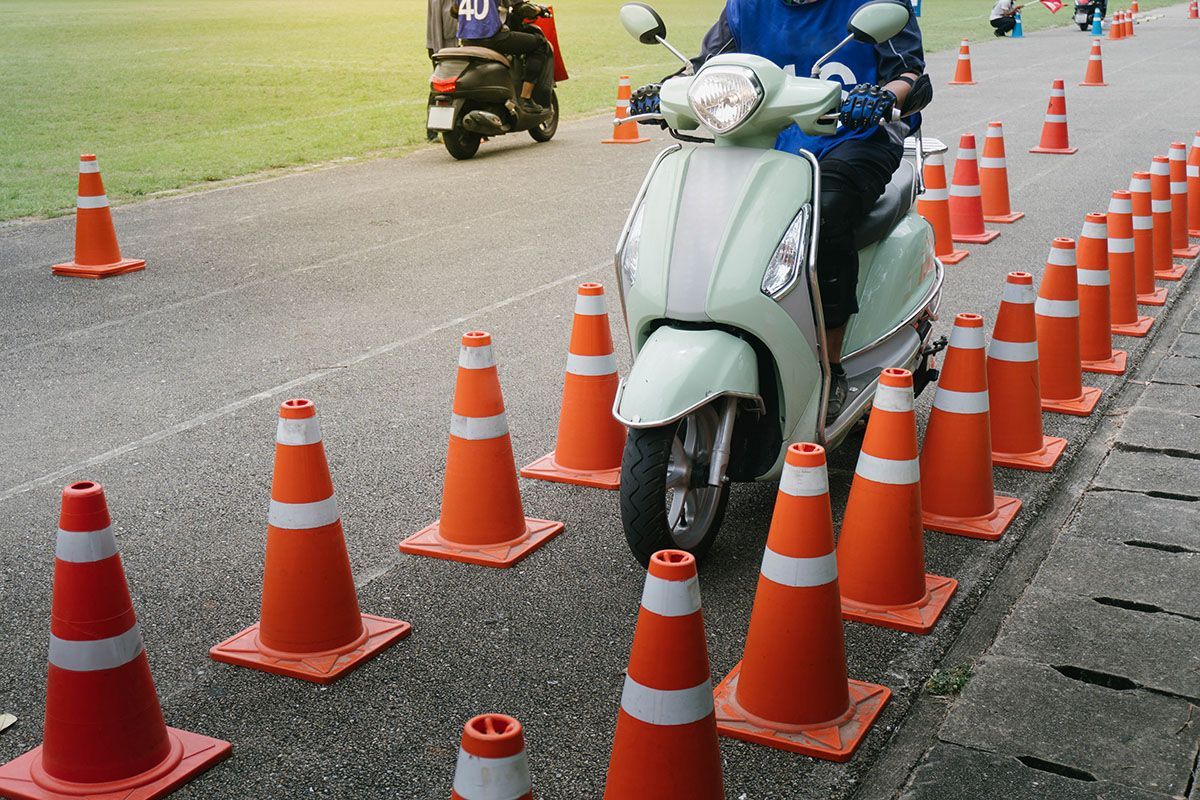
717, 277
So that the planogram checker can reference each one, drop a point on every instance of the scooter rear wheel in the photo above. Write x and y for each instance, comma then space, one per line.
666, 502
461, 144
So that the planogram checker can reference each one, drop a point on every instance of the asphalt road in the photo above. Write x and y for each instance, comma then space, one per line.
351, 285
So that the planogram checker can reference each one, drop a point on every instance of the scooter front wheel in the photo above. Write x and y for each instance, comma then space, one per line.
666, 502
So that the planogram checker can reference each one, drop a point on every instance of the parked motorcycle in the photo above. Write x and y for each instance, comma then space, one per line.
1086, 9
473, 97
716, 267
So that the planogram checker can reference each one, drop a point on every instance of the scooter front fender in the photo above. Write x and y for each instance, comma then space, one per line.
678, 370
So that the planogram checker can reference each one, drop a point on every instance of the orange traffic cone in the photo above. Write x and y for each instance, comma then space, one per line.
881, 549
1122, 290
1116, 30
1177, 156
311, 627
1096, 352
993, 178
1057, 313
104, 735
666, 739
97, 254
1165, 269
1055, 139
1128, 24
790, 690
962, 72
491, 761
1018, 440
966, 203
956, 460
1133, 7
590, 440
1148, 293
934, 207
624, 132
1095, 67
1193, 10
1193, 184
482, 519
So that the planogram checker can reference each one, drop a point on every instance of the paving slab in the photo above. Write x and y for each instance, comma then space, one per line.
1140, 574
1192, 323
1178, 369
1149, 472
950, 772
1172, 397
1187, 344
1136, 738
1154, 429
1155, 650
1121, 517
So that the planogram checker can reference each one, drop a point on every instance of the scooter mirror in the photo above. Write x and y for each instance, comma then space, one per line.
643, 23
878, 21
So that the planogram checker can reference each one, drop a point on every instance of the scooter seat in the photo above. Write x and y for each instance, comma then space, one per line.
472, 52
891, 207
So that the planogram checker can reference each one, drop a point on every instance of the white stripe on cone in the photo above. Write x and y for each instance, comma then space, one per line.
477, 429
86, 547
936, 194
89, 167
892, 398
477, 778
1160, 206
1094, 230
667, 706
96, 654
1019, 293
804, 481
96, 201
1120, 246
799, 573
992, 162
1143, 223
298, 432
958, 190
1062, 309
1061, 258
303, 516
671, 598
965, 338
960, 402
1021, 352
591, 365
1139, 185
896, 471
590, 305
476, 357
1092, 277
1120, 205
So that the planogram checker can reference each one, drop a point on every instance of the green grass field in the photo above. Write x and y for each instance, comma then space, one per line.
177, 93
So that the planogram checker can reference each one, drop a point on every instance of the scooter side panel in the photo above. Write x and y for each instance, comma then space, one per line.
894, 276
680, 369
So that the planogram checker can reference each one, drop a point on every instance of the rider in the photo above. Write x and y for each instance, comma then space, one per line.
857, 162
486, 23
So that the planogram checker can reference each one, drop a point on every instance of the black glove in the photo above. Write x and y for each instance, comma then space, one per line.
867, 105
645, 101
546, 12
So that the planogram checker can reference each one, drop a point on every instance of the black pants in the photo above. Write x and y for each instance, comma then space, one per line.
1004, 25
853, 177
535, 48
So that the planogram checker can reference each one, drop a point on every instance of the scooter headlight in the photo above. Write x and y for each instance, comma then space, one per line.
628, 259
787, 263
722, 97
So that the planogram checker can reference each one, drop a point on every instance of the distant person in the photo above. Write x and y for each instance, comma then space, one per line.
441, 25
1004, 16
503, 26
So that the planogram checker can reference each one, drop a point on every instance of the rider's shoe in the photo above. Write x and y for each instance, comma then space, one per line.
839, 390
530, 107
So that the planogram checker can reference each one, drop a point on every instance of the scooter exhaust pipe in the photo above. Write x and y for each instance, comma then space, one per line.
721, 447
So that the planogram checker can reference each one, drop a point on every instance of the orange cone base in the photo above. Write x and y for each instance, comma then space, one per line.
1004, 219
953, 257
974, 238
1138, 329
243, 650
546, 469
1189, 252
1175, 273
1038, 461
1109, 366
73, 270
962, 83
913, 619
833, 741
1156, 298
1085, 83
191, 754
1081, 406
624, 141
428, 542
1055, 151
991, 527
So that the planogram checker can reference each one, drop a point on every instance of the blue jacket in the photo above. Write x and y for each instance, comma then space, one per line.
794, 36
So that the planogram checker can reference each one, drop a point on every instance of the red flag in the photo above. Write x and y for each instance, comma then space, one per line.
547, 26
1053, 5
